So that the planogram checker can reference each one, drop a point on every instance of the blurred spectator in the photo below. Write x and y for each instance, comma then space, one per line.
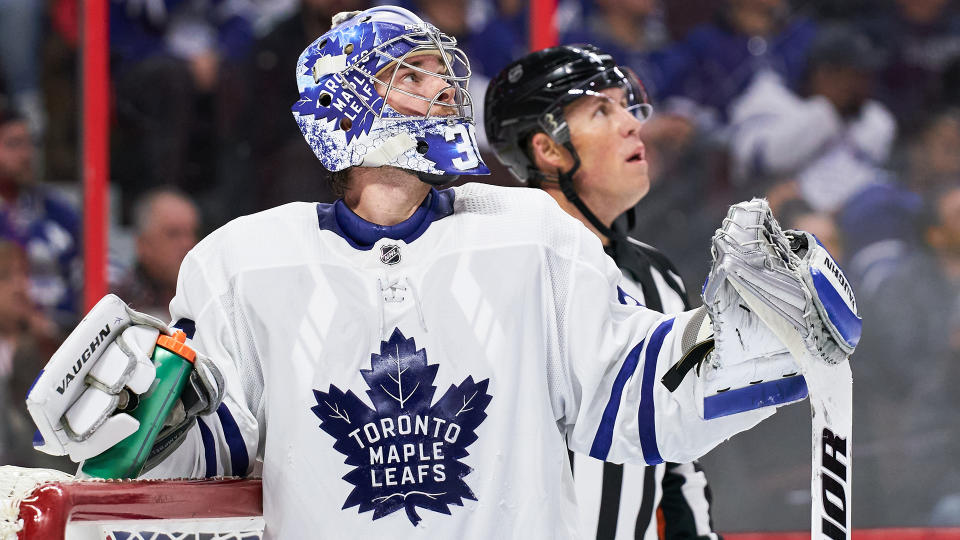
513, 16
173, 64
167, 224
627, 30
633, 32
919, 38
491, 32
33, 216
27, 339
880, 224
797, 214
880, 229
705, 72
272, 154
934, 158
832, 140
909, 359
489, 46
950, 82
20, 59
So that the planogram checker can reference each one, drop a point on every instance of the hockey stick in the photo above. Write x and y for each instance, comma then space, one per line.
830, 388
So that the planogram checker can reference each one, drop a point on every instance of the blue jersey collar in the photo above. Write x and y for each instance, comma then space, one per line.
361, 234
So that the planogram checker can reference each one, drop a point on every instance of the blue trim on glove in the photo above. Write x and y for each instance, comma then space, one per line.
755, 396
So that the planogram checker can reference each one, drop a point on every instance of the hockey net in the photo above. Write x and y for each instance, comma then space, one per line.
51, 505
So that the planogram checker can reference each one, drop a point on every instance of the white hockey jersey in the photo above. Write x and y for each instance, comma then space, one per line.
424, 380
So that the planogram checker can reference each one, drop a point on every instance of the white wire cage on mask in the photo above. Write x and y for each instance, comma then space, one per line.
349, 77
455, 73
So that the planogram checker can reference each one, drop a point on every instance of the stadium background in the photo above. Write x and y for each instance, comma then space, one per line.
198, 104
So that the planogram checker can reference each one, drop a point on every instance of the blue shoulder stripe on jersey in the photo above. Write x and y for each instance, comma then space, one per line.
187, 325
209, 449
238, 450
604, 437
648, 431
755, 396
843, 318
362, 235
622, 296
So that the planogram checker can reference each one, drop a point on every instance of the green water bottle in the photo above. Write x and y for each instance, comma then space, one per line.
174, 362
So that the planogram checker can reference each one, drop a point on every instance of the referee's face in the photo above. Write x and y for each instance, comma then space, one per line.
613, 165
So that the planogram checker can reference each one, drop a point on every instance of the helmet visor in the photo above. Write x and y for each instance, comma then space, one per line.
635, 95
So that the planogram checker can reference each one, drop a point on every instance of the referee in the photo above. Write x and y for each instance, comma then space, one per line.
567, 120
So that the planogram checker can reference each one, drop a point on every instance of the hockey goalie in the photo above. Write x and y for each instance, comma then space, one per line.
415, 362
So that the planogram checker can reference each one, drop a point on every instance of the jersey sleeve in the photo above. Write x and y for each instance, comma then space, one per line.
608, 365
227, 442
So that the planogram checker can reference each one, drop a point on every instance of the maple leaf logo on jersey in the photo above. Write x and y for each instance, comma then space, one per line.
406, 453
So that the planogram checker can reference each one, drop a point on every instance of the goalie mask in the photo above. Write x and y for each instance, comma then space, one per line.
346, 78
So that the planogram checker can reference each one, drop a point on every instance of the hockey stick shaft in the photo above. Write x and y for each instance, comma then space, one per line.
830, 388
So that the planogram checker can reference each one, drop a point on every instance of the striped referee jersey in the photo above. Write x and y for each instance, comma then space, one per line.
632, 501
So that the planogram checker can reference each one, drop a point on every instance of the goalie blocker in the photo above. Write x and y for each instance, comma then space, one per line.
82, 398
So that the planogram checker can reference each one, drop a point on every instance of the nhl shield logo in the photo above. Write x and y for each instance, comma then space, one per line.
390, 254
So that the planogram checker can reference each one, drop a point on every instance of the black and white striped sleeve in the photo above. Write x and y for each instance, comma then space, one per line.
686, 503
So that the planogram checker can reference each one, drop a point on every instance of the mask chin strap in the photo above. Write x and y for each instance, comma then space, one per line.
436, 179
565, 180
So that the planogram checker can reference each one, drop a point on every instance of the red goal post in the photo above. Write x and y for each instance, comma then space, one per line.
41, 504
44, 504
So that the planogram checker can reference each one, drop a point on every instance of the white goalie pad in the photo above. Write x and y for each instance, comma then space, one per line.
73, 399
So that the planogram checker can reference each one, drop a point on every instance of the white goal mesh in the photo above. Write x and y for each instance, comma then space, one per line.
51, 505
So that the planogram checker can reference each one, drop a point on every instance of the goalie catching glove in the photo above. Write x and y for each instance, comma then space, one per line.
80, 400
770, 295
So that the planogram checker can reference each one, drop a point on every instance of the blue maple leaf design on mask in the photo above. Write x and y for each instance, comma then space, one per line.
344, 103
405, 452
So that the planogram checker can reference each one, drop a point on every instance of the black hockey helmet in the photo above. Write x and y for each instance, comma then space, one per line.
528, 96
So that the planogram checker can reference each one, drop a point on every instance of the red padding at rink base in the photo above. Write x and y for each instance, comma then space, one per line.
858, 534
46, 512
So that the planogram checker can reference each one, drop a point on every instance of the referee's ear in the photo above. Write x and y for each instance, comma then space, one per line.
547, 155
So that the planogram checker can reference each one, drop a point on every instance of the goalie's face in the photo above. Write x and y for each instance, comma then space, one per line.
606, 134
416, 86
